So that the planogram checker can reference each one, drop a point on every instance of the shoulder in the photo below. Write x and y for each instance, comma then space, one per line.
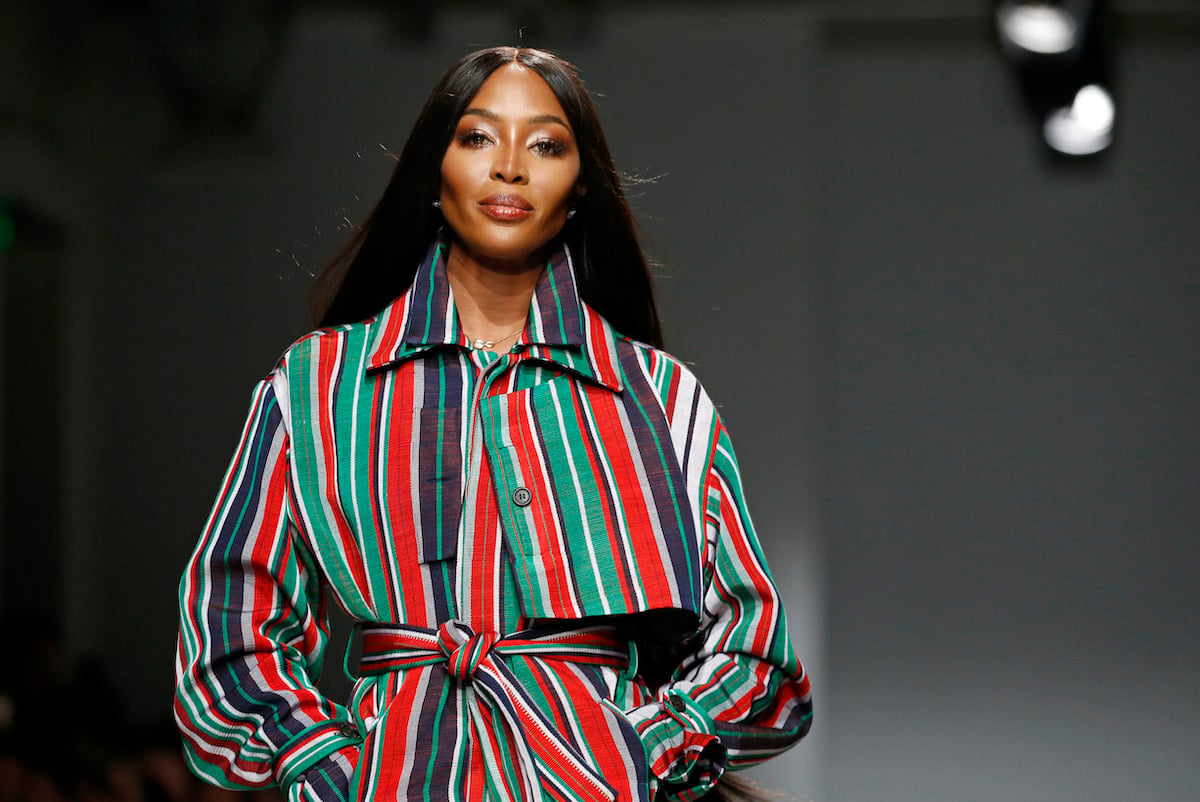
317, 348
315, 358
330, 337
688, 407
647, 369
668, 374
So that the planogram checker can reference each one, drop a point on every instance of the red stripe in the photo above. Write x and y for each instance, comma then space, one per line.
674, 376
585, 412
389, 340
648, 571
395, 426
602, 347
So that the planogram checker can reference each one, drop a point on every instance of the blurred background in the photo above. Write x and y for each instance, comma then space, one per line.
936, 261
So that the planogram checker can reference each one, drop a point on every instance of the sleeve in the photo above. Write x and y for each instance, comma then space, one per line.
252, 632
738, 695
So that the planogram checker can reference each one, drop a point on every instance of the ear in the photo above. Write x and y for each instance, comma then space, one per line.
579, 191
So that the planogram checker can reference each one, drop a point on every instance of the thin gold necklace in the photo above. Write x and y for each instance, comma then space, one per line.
480, 344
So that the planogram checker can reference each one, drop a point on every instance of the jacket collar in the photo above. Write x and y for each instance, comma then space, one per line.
561, 329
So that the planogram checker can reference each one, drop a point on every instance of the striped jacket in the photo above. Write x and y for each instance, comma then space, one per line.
547, 551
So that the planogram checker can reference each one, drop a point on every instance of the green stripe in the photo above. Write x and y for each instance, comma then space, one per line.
558, 306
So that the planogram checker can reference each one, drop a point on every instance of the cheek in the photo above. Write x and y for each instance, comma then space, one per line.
458, 175
566, 183
451, 181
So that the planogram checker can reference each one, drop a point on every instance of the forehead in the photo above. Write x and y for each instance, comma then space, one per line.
517, 91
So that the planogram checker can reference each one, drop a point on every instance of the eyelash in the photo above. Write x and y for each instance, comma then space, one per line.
473, 139
543, 147
550, 147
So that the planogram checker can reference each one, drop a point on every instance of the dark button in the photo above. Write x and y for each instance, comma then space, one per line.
677, 704
301, 778
348, 730
521, 497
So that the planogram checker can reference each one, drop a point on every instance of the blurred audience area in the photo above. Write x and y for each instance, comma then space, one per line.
66, 734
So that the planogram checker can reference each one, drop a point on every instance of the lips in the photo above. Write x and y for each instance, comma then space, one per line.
506, 206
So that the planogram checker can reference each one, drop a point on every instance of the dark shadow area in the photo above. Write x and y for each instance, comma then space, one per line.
66, 734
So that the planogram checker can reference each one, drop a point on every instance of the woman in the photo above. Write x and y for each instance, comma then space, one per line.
533, 514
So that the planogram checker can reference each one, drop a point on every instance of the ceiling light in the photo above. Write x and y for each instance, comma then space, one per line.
1085, 127
1040, 28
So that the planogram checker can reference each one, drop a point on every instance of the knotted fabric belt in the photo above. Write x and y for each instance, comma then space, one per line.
547, 760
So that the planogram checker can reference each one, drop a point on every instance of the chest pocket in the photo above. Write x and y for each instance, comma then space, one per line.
591, 501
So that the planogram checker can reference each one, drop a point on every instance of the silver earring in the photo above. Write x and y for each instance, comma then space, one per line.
437, 204
571, 212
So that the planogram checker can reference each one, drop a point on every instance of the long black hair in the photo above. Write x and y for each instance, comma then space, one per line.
380, 259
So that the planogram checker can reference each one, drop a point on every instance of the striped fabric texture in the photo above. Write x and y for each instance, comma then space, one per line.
519, 536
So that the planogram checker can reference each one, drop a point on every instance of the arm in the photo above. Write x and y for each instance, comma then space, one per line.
252, 631
738, 695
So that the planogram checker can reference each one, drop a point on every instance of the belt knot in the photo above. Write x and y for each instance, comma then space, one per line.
463, 649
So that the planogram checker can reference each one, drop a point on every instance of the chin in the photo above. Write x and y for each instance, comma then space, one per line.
519, 248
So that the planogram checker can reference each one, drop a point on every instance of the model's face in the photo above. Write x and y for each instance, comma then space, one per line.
511, 171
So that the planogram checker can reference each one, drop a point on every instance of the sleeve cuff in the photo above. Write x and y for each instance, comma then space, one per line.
310, 746
685, 755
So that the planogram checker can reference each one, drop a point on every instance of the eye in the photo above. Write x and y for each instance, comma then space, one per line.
473, 139
548, 147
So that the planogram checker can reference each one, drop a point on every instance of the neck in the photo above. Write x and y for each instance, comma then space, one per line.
492, 300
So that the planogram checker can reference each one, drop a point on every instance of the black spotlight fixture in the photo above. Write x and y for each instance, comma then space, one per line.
1059, 53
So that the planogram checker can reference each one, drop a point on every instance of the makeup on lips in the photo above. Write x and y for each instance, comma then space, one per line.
506, 207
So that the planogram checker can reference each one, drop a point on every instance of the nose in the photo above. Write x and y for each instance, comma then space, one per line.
510, 163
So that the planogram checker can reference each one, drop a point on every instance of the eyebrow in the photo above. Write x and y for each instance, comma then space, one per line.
537, 120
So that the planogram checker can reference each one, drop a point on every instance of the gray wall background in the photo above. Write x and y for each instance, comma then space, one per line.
962, 385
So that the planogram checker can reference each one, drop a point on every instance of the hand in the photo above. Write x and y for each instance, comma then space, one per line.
327, 780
